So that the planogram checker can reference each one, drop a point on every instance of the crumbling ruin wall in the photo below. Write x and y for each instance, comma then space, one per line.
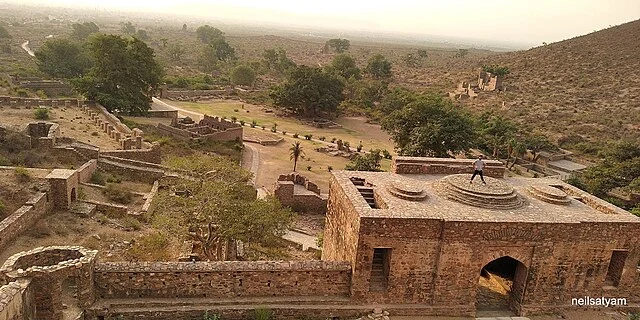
152, 155
24, 217
43, 134
175, 132
35, 103
86, 171
173, 94
418, 165
227, 279
308, 201
148, 175
16, 301
342, 226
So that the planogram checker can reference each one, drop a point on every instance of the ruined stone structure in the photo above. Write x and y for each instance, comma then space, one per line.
423, 234
297, 192
43, 134
489, 82
209, 128
415, 240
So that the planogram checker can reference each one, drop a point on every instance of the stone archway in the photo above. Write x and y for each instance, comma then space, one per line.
501, 285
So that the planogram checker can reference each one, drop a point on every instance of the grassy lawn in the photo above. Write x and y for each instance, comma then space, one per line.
355, 130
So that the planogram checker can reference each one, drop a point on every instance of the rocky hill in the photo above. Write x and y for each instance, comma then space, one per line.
580, 91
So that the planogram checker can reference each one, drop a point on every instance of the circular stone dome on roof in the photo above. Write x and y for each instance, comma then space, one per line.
496, 194
549, 194
407, 192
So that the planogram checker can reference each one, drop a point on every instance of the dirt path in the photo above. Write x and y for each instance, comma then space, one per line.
26, 48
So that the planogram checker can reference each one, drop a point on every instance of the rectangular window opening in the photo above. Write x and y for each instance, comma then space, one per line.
380, 266
616, 265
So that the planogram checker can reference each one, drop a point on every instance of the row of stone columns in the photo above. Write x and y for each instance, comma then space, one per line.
126, 142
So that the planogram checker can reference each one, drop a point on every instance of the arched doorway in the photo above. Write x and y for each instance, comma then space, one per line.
74, 195
501, 285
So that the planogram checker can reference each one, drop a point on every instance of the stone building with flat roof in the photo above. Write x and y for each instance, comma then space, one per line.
427, 241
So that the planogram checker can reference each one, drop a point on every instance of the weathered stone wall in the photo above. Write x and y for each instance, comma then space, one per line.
16, 301
175, 132
221, 279
43, 134
438, 263
170, 114
340, 242
418, 165
152, 155
29, 102
23, 218
172, 94
218, 123
232, 133
86, 171
310, 200
144, 174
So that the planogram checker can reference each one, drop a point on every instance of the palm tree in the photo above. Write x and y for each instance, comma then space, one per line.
296, 152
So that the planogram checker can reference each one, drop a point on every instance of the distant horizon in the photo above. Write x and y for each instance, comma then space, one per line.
478, 32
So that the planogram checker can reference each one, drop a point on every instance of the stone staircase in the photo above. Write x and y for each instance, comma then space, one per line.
378, 280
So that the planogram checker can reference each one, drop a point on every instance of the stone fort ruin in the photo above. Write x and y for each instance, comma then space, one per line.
209, 128
416, 241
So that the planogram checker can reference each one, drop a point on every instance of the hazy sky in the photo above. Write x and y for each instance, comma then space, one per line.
523, 21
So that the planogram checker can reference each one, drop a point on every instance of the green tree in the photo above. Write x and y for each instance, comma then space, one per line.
295, 152
217, 50
175, 52
277, 60
243, 75
219, 207
309, 91
396, 99
496, 70
164, 42
81, 31
430, 126
422, 53
339, 45
61, 58
184, 27
4, 34
379, 67
537, 142
462, 52
142, 35
497, 132
345, 66
411, 61
367, 162
124, 74
207, 34
128, 28
365, 92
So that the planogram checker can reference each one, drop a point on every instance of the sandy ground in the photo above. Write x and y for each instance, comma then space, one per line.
73, 124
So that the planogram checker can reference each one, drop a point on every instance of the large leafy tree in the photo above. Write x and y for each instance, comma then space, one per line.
378, 67
339, 45
219, 207
496, 132
309, 91
81, 31
277, 60
243, 75
345, 66
207, 33
217, 50
124, 74
62, 58
430, 126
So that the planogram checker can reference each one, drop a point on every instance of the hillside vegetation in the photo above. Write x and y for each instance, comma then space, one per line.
581, 91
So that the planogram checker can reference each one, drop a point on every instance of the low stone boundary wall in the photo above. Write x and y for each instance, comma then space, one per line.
221, 279
419, 165
152, 155
112, 209
86, 171
23, 218
131, 171
16, 302
35, 103
147, 207
170, 114
310, 200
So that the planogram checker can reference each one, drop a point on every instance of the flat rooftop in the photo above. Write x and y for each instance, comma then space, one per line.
452, 198
60, 174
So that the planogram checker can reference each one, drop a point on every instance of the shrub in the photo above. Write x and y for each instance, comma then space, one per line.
263, 127
2, 207
273, 129
207, 316
386, 154
22, 174
242, 122
254, 123
284, 132
333, 140
4, 161
102, 178
235, 110
22, 93
131, 223
262, 314
41, 113
308, 136
359, 148
151, 247
234, 119
330, 168
118, 194
323, 138
308, 168
95, 134
295, 135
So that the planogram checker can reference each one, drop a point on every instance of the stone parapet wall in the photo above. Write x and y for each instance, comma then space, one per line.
308, 201
35, 103
221, 279
148, 175
419, 165
16, 301
175, 132
86, 171
152, 155
23, 218
169, 114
